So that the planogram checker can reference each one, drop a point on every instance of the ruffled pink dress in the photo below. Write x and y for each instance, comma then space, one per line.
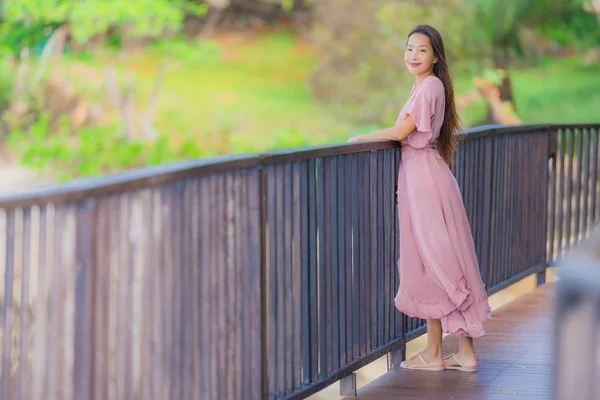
439, 273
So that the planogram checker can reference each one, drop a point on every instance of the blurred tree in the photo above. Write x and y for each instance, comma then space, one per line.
363, 44
240, 14
361, 71
29, 23
500, 25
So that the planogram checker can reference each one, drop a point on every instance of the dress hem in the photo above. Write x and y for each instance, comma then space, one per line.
440, 311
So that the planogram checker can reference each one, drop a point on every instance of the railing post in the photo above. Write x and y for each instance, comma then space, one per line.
541, 277
395, 357
348, 385
552, 142
552, 149
489, 216
552, 176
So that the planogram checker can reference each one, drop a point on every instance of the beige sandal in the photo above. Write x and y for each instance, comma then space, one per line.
459, 366
425, 367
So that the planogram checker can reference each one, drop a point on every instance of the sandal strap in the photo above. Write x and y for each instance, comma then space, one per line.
453, 355
422, 359
458, 361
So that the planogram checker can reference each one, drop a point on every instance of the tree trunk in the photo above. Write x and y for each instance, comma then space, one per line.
505, 87
499, 113
506, 92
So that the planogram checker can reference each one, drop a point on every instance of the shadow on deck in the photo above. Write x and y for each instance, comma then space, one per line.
515, 360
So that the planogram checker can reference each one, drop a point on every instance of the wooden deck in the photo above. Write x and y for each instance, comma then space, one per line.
515, 360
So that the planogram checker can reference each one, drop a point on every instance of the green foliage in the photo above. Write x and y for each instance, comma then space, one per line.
96, 150
7, 78
577, 28
287, 5
253, 95
200, 52
28, 23
362, 67
558, 91
288, 137
494, 75
242, 96
362, 60
500, 22
282, 138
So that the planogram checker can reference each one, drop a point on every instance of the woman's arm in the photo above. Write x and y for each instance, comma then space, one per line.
398, 132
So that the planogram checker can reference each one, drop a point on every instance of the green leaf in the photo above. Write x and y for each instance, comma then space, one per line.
287, 5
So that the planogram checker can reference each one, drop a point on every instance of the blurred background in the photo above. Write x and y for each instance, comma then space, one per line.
93, 87
98, 86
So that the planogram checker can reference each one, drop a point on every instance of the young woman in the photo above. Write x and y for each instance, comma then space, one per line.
439, 273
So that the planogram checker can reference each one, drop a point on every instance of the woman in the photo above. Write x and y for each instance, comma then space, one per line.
439, 274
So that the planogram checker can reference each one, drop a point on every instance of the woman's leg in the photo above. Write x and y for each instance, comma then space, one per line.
465, 355
433, 354
434, 340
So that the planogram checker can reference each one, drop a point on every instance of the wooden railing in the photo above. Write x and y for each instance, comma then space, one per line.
574, 190
257, 276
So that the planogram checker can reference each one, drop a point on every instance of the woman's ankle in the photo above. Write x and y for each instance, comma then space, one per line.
467, 355
466, 348
434, 351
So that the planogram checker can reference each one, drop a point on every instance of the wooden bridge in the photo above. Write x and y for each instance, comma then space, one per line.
272, 276
515, 360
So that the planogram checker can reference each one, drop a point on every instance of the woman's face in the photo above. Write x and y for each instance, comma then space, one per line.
419, 55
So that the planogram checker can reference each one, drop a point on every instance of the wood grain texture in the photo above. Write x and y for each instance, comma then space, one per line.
515, 360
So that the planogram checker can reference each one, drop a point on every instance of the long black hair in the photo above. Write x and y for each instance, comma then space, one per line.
447, 140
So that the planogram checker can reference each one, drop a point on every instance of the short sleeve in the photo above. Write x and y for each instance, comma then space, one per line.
422, 109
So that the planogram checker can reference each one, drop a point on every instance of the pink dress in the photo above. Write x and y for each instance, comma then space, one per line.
439, 273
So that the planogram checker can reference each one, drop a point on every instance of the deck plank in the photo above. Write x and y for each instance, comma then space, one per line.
515, 360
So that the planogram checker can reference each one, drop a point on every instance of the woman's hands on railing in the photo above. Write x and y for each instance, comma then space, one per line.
398, 132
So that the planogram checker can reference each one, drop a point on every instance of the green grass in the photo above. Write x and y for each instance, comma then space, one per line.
250, 93
558, 91
253, 93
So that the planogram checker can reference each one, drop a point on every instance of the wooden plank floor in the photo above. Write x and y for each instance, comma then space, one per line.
515, 360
